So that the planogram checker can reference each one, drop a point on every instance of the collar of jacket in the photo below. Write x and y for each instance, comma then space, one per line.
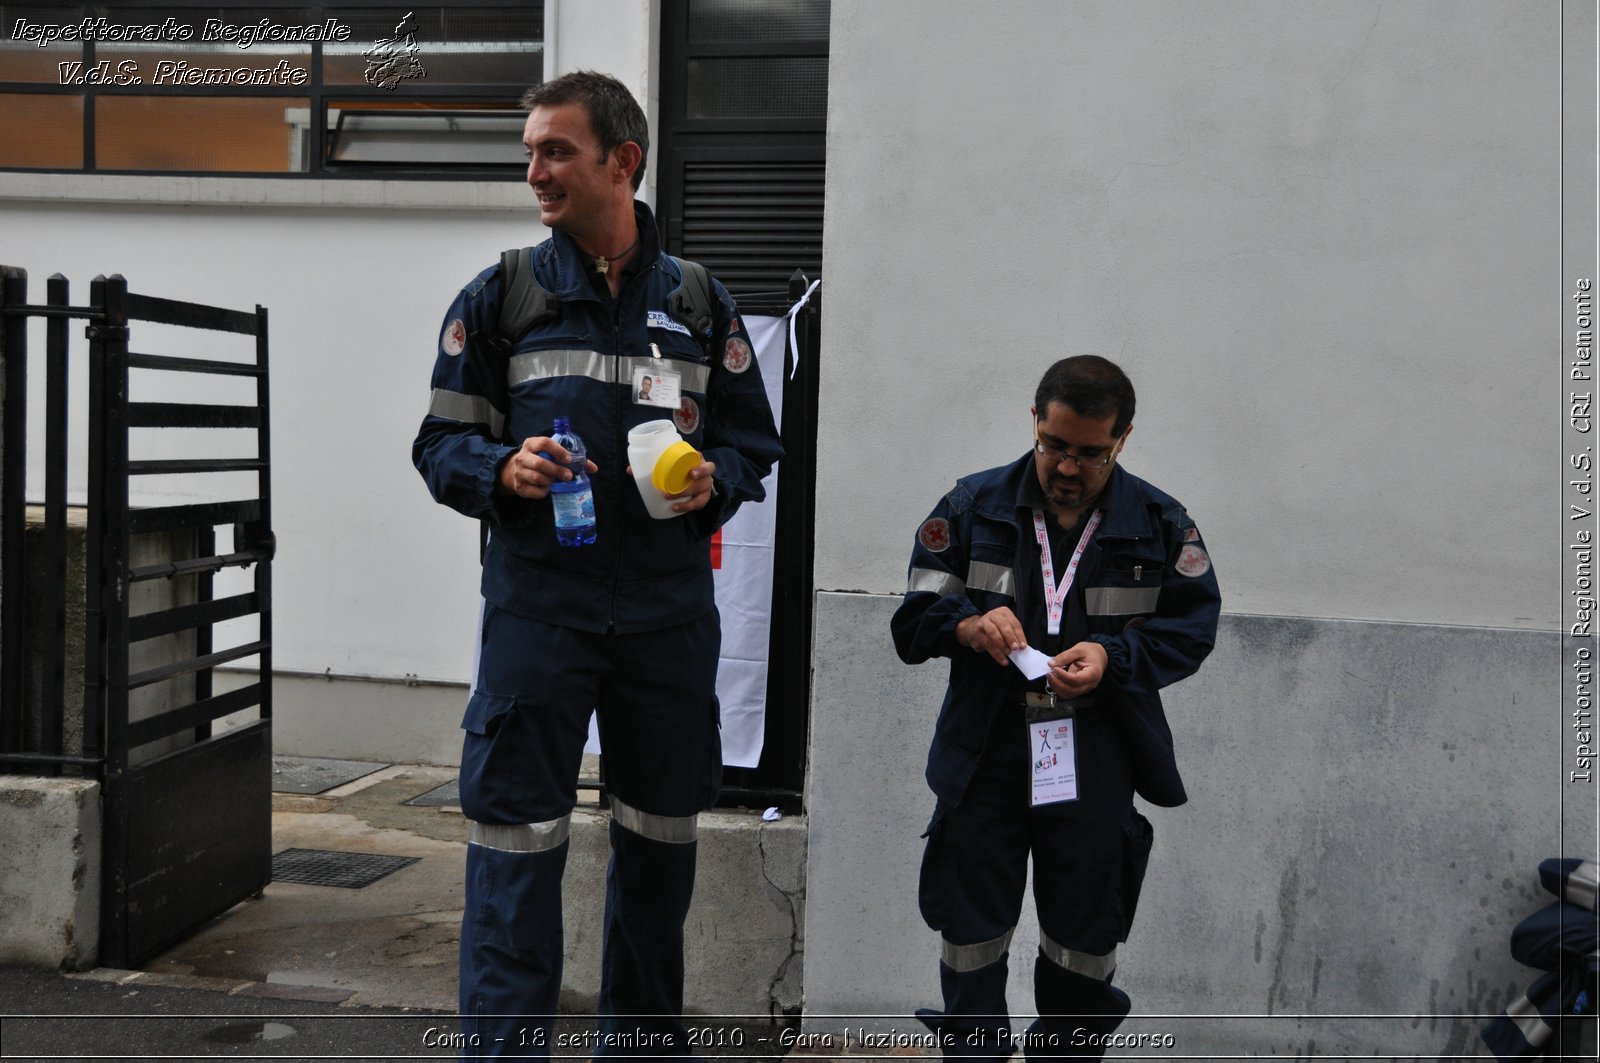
1125, 517
562, 266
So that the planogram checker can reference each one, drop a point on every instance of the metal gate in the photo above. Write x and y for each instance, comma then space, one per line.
185, 768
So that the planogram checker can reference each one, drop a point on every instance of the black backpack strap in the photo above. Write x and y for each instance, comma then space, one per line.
524, 302
691, 301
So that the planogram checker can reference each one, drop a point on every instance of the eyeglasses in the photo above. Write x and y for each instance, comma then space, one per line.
1083, 461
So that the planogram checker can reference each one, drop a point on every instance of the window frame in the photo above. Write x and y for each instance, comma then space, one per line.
318, 94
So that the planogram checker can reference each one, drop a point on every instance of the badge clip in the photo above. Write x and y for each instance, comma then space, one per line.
1047, 705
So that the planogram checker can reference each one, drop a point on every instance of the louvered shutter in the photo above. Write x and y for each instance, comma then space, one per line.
753, 223
744, 99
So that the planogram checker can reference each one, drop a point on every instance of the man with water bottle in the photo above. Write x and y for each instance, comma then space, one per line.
612, 613
1066, 592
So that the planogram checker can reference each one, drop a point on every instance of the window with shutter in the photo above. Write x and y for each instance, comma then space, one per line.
744, 101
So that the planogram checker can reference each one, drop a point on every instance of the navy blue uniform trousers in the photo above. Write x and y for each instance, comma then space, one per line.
1089, 857
526, 725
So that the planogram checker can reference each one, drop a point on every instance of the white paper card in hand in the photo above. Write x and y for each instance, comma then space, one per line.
1033, 663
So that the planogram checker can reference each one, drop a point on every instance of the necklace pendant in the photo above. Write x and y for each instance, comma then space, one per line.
601, 264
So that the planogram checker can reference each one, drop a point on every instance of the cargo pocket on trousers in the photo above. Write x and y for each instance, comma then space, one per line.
489, 760
1137, 838
714, 755
933, 895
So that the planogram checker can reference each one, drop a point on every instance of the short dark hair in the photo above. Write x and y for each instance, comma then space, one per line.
1090, 386
614, 114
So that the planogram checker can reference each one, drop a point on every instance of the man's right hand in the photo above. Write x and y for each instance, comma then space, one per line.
996, 633
528, 473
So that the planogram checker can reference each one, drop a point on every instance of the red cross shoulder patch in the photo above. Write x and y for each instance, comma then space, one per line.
934, 535
1193, 561
736, 355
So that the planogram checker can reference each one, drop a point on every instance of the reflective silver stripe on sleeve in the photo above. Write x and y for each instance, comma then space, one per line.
1118, 601
522, 837
543, 365
982, 576
468, 409
963, 958
1085, 963
693, 375
677, 829
1583, 884
931, 579
1536, 1029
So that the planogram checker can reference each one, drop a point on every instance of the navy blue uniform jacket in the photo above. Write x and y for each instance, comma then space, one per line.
1149, 592
641, 574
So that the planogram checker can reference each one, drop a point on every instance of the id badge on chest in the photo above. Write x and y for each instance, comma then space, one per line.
656, 387
1053, 741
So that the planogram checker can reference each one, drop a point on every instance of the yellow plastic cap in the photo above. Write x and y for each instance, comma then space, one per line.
671, 474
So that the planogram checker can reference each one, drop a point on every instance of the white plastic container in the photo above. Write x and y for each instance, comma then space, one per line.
661, 463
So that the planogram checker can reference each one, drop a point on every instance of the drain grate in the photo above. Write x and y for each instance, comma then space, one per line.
314, 775
321, 867
448, 794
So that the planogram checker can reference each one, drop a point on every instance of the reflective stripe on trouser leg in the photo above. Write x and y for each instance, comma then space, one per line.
965, 958
521, 837
1087, 964
511, 939
649, 883
1073, 992
1534, 1027
972, 980
1531, 1024
673, 829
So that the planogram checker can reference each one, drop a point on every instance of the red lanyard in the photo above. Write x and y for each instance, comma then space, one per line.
1055, 595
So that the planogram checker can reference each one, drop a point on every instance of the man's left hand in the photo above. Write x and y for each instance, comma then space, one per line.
699, 492
1077, 669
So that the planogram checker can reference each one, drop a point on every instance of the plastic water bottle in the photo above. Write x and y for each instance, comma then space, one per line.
573, 499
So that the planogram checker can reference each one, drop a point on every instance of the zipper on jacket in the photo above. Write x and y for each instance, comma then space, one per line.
617, 355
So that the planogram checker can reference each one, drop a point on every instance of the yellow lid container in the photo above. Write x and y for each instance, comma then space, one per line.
671, 474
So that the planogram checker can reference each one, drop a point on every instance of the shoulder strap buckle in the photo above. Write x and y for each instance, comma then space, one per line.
690, 302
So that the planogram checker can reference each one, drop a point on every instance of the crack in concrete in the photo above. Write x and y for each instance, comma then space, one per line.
1366, 45
1187, 147
776, 1009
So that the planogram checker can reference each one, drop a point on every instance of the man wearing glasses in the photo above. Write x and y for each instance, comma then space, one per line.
1067, 592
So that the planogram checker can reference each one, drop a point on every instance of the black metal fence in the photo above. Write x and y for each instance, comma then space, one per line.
125, 695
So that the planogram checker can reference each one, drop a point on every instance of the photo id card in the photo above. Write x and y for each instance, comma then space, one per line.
1055, 761
656, 387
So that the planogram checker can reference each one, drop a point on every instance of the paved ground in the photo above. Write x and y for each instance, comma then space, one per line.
308, 971
129, 1015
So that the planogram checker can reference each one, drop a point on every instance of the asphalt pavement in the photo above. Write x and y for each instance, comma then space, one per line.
124, 1015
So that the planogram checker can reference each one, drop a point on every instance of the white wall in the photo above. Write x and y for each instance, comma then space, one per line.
371, 577
1321, 238
617, 37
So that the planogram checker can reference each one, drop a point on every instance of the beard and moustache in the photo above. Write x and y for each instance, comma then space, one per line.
1067, 490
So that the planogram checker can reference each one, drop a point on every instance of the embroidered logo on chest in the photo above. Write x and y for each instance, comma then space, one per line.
660, 319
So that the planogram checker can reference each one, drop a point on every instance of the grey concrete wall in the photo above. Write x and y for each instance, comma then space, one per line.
744, 941
361, 719
50, 872
146, 597
1369, 804
1322, 238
